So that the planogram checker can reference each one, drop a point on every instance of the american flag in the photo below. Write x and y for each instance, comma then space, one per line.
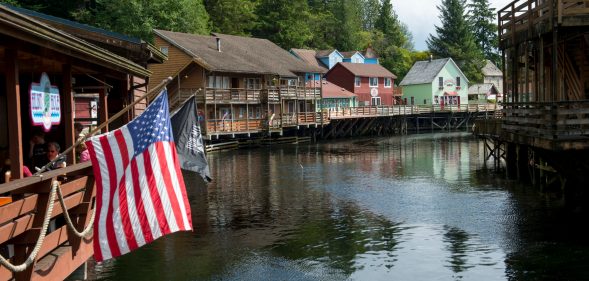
140, 190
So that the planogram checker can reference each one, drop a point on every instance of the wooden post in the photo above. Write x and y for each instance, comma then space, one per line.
103, 108
14, 114
68, 112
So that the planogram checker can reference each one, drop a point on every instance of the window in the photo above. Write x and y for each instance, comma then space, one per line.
357, 81
441, 82
387, 82
373, 81
457, 81
164, 50
252, 83
375, 101
218, 82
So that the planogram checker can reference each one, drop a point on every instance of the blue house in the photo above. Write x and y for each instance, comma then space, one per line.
329, 58
370, 56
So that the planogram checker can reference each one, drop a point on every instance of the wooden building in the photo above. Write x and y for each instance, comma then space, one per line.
42, 68
372, 83
243, 85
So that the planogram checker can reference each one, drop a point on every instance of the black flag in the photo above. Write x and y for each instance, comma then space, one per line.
188, 138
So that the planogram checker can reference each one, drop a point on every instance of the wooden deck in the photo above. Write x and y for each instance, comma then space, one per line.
523, 20
20, 223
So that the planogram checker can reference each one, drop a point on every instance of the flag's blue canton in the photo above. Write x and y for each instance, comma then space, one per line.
152, 125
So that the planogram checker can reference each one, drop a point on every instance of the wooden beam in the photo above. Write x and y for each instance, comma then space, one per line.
68, 112
14, 113
103, 108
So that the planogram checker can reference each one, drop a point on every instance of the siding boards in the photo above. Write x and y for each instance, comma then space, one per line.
176, 60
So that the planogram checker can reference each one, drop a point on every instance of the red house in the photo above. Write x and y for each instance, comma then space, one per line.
372, 83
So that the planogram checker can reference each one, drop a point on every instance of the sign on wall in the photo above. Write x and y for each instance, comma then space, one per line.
45, 103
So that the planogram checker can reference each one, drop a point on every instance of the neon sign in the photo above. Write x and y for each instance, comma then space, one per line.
45, 103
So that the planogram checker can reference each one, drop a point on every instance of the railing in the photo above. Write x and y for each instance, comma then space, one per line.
233, 95
271, 96
295, 92
21, 221
375, 111
553, 121
216, 126
527, 15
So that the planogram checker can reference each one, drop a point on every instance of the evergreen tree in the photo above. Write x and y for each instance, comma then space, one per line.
138, 18
370, 13
348, 30
284, 22
236, 17
390, 26
455, 40
323, 25
482, 20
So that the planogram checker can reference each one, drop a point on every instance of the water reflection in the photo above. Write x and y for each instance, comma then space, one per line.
406, 208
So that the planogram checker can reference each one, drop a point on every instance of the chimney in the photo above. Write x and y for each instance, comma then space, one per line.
431, 57
218, 44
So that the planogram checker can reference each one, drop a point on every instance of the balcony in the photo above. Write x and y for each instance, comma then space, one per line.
232, 96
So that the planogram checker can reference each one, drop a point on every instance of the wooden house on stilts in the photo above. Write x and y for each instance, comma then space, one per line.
243, 85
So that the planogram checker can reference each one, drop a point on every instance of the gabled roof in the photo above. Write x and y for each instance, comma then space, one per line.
424, 72
28, 29
349, 55
364, 70
482, 88
238, 54
370, 53
490, 69
330, 90
309, 56
326, 53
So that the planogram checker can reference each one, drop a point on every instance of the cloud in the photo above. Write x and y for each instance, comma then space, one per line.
423, 17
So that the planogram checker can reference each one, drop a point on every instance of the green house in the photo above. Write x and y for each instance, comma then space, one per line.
438, 82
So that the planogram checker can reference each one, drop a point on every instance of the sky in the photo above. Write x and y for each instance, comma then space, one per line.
421, 18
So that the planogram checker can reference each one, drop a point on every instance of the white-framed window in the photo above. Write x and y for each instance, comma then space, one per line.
357, 81
458, 81
375, 101
387, 82
373, 81
252, 83
218, 82
164, 50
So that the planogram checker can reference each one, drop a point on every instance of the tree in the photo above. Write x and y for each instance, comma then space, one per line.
390, 26
370, 12
484, 29
455, 40
284, 22
138, 18
236, 17
348, 29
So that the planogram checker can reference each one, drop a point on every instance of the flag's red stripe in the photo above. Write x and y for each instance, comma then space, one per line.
182, 185
110, 232
98, 180
155, 197
161, 155
141, 214
123, 206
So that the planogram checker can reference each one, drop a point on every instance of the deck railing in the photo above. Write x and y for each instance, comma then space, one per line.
21, 221
551, 120
375, 111
233, 95
216, 126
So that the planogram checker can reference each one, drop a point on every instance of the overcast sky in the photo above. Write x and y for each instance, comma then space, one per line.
422, 15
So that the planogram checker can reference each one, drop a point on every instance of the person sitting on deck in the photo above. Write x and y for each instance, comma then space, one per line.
53, 149
37, 150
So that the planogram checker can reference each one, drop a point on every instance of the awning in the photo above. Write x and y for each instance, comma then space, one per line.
450, 93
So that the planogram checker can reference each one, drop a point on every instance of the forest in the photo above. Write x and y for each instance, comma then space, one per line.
467, 32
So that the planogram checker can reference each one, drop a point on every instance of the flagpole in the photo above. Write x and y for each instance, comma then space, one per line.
105, 123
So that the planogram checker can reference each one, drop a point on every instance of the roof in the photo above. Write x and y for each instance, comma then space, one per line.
21, 26
424, 72
370, 53
490, 69
325, 53
105, 38
309, 56
330, 90
365, 70
238, 54
350, 54
481, 88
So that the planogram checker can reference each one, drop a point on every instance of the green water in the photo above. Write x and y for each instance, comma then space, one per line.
421, 207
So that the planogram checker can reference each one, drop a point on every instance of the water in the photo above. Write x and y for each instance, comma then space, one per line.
421, 207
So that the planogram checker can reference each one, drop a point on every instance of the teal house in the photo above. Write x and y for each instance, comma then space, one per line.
438, 82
